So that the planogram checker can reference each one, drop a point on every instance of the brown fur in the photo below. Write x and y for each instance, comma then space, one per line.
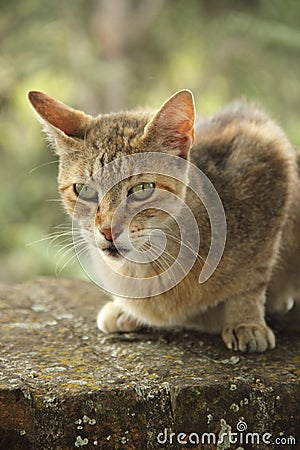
255, 171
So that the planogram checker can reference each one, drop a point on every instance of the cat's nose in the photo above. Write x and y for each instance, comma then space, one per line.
109, 233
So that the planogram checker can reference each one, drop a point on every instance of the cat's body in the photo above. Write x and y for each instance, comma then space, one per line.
255, 172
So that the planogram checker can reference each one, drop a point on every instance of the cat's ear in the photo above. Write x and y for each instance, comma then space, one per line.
59, 120
173, 125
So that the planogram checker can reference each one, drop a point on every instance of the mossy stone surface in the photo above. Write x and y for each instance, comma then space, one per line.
64, 385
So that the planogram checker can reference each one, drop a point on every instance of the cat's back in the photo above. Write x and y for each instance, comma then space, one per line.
239, 133
251, 164
242, 141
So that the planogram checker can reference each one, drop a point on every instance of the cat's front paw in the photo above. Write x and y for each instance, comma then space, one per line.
111, 319
249, 338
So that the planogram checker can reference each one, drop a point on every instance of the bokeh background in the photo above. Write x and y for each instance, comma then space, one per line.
104, 55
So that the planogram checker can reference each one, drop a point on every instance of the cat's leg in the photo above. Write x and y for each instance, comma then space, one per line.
112, 319
280, 295
209, 321
245, 328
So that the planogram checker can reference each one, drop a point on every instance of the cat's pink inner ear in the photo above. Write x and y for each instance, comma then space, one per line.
174, 122
70, 121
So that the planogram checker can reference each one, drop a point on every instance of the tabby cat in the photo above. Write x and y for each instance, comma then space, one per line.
253, 169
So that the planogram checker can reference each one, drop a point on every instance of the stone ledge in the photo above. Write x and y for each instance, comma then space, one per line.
63, 385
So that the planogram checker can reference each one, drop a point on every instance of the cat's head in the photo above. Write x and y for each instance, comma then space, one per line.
113, 198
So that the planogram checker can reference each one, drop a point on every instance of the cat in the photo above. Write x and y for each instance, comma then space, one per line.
255, 172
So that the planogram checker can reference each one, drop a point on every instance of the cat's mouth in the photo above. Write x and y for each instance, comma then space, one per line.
113, 251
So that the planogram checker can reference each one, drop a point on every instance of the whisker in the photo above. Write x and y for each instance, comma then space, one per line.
66, 246
188, 246
162, 266
176, 286
163, 262
71, 259
51, 237
43, 165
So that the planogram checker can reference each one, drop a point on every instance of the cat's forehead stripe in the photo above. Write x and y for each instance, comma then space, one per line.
112, 135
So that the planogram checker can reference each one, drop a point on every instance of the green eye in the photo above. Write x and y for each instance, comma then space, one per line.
141, 191
85, 192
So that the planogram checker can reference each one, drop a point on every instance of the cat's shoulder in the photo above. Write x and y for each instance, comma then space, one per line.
238, 111
240, 135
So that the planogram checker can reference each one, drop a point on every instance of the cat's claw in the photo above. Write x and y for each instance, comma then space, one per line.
289, 304
249, 338
281, 305
111, 319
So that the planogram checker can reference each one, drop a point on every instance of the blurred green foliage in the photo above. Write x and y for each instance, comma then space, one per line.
103, 55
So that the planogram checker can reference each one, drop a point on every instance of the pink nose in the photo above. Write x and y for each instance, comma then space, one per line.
110, 233
107, 233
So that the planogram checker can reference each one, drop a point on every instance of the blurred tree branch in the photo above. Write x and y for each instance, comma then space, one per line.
107, 55
117, 27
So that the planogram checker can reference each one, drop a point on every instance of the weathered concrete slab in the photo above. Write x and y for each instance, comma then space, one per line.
63, 385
